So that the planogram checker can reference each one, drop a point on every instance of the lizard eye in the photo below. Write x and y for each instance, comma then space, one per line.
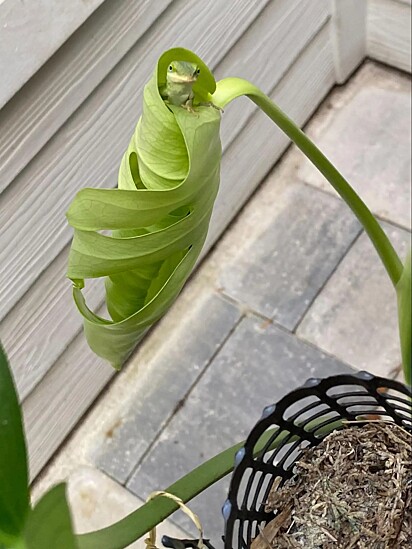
197, 71
170, 69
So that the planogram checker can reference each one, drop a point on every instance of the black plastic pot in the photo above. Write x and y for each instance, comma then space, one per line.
300, 420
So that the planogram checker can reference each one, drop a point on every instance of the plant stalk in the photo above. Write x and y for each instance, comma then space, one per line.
140, 522
230, 88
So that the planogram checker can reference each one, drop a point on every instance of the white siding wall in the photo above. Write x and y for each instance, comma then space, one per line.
68, 114
389, 32
31, 32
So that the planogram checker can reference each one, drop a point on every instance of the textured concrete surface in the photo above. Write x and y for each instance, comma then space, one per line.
303, 294
257, 366
355, 316
280, 272
365, 129
97, 501
173, 371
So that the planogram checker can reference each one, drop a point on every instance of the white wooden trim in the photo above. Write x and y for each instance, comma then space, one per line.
348, 36
31, 32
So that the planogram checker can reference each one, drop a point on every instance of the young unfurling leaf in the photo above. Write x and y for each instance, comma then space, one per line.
159, 215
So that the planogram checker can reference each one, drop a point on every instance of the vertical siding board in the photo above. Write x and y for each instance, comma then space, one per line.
348, 36
389, 32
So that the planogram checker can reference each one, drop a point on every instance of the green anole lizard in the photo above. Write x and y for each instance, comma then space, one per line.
178, 89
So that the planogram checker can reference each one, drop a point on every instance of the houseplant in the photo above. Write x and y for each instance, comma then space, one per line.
159, 224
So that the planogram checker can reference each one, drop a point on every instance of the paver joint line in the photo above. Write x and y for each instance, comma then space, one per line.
184, 399
351, 244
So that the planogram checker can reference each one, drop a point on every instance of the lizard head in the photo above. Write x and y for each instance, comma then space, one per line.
182, 72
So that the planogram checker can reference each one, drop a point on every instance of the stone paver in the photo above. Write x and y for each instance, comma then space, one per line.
280, 272
98, 501
173, 370
257, 366
355, 316
367, 135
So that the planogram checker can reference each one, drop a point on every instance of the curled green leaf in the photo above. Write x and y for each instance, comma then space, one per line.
14, 491
158, 216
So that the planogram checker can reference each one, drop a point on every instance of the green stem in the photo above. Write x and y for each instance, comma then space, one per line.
126, 531
230, 88
151, 514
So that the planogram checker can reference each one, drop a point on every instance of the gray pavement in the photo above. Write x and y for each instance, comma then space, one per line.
258, 364
280, 273
293, 290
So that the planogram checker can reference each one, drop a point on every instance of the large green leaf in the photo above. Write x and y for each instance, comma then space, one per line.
404, 293
49, 524
159, 216
14, 494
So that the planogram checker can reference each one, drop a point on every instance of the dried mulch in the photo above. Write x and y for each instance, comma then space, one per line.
353, 490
